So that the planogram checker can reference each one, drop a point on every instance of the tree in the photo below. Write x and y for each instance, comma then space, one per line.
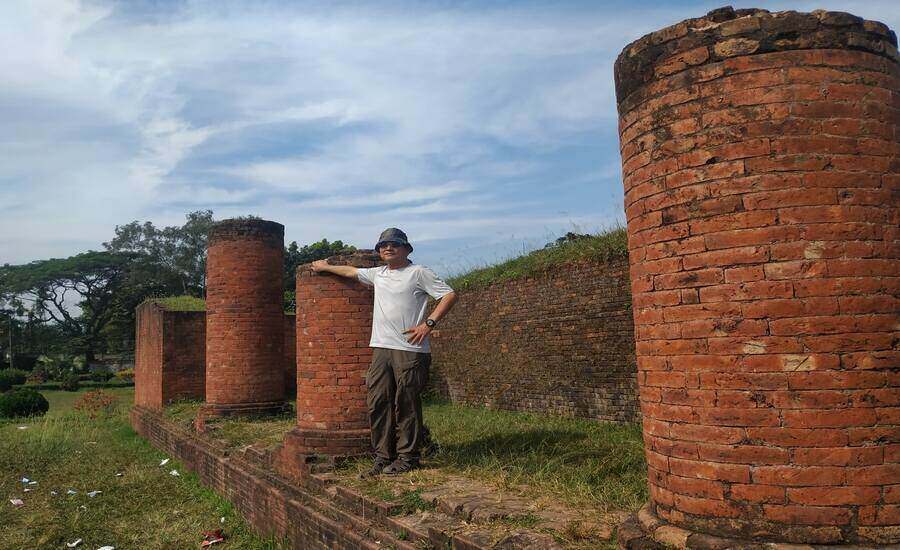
80, 294
172, 258
295, 256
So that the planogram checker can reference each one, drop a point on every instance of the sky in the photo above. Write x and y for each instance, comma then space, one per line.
484, 129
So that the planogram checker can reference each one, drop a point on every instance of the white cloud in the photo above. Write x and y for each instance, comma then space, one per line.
336, 121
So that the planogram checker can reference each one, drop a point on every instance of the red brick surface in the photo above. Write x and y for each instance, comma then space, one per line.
245, 317
560, 342
759, 156
170, 355
290, 354
334, 320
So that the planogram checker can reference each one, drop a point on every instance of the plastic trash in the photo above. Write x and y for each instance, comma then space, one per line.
164, 462
83, 507
92, 494
71, 492
174, 473
74, 544
32, 482
212, 537
222, 519
26, 490
107, 548
17, 502
53, 493
119, 474
25, 480
22, 427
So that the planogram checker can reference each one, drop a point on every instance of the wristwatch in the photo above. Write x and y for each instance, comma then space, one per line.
430, 323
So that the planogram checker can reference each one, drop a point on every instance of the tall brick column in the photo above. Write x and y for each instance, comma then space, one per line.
759, 153
334, 323
245, 318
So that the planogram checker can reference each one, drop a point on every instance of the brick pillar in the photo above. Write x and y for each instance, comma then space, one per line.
759, 154
334, 320
245, 318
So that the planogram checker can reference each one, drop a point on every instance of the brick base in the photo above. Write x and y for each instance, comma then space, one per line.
304, 451
303, 513
647, 531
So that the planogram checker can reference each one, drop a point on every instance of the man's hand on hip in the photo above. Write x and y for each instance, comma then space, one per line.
417, 334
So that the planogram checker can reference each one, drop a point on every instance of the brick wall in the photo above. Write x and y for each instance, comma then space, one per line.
170, 355
561, 342
759, 154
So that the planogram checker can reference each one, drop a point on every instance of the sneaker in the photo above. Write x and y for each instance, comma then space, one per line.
401, 466
430, 447
377, 468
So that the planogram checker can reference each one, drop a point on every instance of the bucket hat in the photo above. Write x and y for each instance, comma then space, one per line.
393, 235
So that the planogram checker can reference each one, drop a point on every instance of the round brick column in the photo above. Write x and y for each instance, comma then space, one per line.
334, 323
245, 318
760, 162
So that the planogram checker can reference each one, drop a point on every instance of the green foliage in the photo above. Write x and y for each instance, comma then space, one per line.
71, 382
181, 303
92, 279
101, 376
15, 376
295, 256
125, 375
566, 250
22, 402
6, 381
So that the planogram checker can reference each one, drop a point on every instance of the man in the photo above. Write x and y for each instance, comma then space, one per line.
402, 354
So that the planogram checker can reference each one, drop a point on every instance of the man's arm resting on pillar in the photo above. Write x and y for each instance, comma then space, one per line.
322, 266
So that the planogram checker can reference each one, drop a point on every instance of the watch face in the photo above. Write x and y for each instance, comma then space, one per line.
430, 322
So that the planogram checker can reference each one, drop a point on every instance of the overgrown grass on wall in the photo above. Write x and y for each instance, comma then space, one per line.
180, 303
599, 247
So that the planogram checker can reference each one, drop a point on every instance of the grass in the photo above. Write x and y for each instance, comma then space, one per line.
181, 303
144, 508
266, 431
599, 247
586, 464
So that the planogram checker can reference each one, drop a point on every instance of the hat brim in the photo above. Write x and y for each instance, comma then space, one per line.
382, 243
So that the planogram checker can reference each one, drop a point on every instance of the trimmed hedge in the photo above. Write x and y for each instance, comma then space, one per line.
11, 377
23, 402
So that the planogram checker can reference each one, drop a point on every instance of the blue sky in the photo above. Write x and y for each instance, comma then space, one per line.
481, 128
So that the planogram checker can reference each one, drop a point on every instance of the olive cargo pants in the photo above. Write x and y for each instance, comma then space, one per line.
394, 382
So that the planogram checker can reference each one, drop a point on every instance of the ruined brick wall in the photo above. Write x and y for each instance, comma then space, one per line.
559, 342
245, 317
170, 355
759, 154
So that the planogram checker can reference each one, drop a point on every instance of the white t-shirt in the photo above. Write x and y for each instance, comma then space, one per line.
401, 299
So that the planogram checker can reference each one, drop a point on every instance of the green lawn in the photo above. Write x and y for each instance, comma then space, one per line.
144, 508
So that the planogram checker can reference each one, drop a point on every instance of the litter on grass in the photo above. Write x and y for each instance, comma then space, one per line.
83, 507
25, 480
71, 492
212, 537
26, 490
53, 493
119, 474
222, 519
32, 482
164, 462
17, 502
107, 548
74, 544
92, 494
174, 473
22, 428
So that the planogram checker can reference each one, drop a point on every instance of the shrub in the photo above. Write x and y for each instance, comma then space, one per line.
71, 383
97, 403
125, 375
23, 402
38, 375
101, 376
18, 376
11, 377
